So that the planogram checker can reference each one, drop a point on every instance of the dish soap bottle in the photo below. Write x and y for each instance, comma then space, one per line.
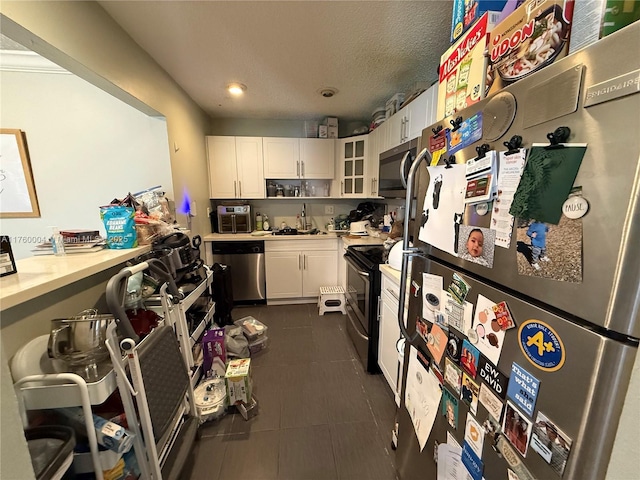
258, 221
265, 222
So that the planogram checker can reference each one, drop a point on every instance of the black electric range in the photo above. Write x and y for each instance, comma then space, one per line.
363, 290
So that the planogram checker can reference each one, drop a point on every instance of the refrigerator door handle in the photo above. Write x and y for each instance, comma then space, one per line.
406, 251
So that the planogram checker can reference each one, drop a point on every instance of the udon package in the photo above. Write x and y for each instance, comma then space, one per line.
120, 226
535, 35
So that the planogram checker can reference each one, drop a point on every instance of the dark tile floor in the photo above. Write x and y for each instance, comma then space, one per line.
320, 415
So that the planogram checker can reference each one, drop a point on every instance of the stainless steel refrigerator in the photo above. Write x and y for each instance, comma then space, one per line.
594, 92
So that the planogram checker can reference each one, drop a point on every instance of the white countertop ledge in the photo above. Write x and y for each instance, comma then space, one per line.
42, 274
241, 237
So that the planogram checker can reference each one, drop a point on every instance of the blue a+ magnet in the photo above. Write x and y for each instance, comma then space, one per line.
541, 345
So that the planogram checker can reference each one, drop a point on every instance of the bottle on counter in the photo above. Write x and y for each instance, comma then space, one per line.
265, 222
258, 221
298, 223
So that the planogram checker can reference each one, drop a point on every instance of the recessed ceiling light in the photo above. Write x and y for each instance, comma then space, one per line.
236, 88
328, 92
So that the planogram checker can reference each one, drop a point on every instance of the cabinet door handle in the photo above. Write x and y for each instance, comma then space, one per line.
235, 189
302, 169
304, 262
379, 305
341, 189
298, 168
240, 187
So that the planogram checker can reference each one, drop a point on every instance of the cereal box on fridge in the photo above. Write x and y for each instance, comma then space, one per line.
462, 70
532, 37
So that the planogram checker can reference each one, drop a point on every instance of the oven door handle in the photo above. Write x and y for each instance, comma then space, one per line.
355, 328
362, 274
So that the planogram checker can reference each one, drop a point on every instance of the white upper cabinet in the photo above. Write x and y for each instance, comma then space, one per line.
409, 122
235, 167
353, 166
281, 157
298, 158
317, 157
250, 167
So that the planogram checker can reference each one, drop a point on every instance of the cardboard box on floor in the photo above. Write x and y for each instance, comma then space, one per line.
238, 378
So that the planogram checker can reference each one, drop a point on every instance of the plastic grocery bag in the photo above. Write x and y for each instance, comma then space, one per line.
236, 343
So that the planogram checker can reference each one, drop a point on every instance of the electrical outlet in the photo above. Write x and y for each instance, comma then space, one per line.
328, 209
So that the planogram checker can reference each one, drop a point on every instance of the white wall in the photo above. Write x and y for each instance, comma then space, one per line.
86, 148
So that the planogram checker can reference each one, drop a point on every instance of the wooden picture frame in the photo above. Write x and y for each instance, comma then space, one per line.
17, 191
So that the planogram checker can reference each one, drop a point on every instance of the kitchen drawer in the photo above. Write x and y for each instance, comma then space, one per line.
304, 245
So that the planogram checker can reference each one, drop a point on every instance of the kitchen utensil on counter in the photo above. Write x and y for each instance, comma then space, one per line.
79, 342
359, 228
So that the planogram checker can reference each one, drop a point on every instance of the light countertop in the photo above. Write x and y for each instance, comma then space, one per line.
390, 272
239, 237
42, 274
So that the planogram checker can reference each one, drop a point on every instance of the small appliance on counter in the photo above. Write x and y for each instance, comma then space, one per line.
234, 218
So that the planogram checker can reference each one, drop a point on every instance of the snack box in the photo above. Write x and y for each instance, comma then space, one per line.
465, 12
595, 19
463, 70
214, 353
535, 35
238, 379
252, 328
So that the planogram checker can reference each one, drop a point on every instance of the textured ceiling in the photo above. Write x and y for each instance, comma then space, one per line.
285, 52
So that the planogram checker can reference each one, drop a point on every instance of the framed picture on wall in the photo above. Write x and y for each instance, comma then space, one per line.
17, 190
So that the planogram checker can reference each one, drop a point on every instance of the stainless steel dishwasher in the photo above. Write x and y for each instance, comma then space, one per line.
246, 259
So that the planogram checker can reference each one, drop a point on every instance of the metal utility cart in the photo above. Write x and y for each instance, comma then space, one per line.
153, 375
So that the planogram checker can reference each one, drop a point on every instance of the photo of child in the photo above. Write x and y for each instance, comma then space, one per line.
550, 251
537, 232
477, 245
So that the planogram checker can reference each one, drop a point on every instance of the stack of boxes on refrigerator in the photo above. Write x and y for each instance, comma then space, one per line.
329, 128
498, 43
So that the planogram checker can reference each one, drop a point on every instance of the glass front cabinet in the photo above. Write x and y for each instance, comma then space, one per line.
353, 168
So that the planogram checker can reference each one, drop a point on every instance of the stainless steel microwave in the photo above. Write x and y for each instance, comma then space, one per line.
234, 219
394, 167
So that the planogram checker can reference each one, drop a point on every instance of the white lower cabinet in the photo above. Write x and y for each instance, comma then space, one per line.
298, 268
389, 330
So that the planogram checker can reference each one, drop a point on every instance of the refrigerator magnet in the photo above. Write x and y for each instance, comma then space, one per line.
450, 408
542, 346
550, 443
523, 389
469, 358
452, 375
517, 428
513, 460
472, 462
474, 434
469, 393
454, 347
494, 378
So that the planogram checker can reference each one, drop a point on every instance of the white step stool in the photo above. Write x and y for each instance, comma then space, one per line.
332, 300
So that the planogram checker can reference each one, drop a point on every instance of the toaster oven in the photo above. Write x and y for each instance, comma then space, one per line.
234, 219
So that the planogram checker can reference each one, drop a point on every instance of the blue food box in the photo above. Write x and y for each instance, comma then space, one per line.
465, 12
